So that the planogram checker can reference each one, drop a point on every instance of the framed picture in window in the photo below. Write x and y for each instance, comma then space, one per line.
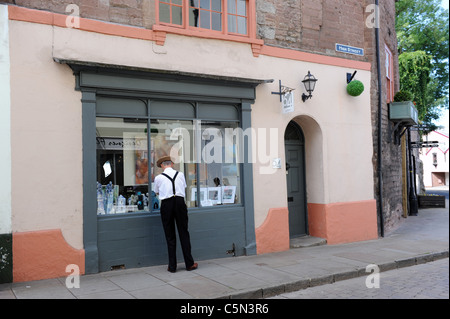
215, 195
228, 194
203, 195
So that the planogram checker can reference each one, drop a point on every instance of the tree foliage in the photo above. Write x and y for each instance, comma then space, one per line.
422, 29
414, 69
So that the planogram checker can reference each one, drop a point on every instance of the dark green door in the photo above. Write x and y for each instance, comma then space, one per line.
295, 179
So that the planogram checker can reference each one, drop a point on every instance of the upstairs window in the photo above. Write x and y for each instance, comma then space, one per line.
225, 16
171, 11
389, 75
237, 16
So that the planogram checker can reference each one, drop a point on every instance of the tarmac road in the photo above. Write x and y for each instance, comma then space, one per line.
443, 190
425, 281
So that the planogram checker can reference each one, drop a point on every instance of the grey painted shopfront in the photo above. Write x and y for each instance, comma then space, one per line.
145, 97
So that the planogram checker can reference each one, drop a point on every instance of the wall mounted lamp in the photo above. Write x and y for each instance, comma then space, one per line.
310, 82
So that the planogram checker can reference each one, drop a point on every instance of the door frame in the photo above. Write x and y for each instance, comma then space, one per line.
303, 168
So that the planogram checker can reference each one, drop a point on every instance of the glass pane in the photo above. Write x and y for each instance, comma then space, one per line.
232, 24
232, 6
194, 3
205, 4
242, 7
164, 12
242, 25
122, 166
205, 19
175, 139
216, 21
217, 5
219, 168
179, 2
177, 15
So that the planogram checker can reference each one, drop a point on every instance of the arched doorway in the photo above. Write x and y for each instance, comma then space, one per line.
294, 143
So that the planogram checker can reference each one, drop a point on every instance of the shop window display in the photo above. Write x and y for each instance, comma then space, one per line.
205, 151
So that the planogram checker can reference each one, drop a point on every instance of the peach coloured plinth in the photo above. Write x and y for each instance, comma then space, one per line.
42, 255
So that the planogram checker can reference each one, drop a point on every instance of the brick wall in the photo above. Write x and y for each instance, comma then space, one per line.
391, 153
312, 25
138, 13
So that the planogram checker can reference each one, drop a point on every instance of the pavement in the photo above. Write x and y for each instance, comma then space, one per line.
417, 240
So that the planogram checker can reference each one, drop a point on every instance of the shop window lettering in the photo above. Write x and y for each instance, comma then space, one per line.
120, 143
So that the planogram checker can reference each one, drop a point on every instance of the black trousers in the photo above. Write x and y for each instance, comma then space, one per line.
174, 211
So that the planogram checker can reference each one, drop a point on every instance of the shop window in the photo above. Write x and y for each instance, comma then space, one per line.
220, 171
122, 166
227, 16
206, 151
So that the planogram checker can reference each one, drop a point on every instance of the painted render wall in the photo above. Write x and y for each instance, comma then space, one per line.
5, 127
5, 153
46, 137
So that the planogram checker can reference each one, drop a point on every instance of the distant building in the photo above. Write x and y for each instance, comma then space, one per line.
435, 160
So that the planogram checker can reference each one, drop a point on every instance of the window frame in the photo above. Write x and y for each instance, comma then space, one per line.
149, 117
192, 30
99, 231
389, 66
171, 5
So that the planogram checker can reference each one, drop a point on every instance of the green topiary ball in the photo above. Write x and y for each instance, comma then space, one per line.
402, 96
355, 88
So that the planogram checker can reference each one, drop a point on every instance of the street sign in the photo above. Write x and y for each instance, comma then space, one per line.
287, 102
349, 49
424, 145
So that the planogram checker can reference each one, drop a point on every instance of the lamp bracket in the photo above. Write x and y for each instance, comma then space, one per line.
283, 90
350, 77
397, 132
305, 97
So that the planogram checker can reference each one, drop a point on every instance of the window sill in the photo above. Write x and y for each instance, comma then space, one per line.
157, 212
161, 31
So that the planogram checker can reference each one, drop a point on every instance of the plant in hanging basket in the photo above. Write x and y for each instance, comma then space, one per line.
402, 96
402, 109
355, 88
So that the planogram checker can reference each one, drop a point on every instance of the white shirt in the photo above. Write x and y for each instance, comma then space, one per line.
163, 185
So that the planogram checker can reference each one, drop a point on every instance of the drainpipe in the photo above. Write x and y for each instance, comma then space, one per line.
379, 151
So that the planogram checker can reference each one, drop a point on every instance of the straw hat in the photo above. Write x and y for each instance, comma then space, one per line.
163, 159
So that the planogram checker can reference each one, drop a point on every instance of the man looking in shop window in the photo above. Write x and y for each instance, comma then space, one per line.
171, 186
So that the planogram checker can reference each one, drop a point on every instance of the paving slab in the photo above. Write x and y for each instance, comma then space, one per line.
418, 240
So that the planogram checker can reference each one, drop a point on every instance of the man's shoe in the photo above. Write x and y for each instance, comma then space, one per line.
193, 267
171, 270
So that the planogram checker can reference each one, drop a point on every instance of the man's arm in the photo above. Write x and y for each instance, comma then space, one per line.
156, 185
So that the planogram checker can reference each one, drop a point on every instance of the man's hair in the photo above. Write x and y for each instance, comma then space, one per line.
166, 163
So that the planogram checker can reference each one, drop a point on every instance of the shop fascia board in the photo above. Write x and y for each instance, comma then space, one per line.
78, 66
